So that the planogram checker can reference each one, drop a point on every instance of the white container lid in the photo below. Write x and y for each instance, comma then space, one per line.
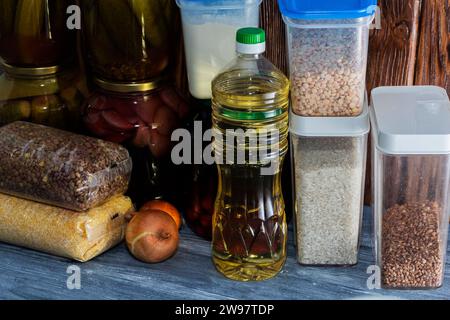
411, 120
331, 126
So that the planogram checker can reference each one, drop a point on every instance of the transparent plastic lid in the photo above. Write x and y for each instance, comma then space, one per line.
327, 9
331, 126
411, 120
216, 4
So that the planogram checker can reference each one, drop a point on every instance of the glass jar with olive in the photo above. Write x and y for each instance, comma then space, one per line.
49, 95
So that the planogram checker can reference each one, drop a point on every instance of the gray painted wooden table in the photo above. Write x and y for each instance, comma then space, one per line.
190, 274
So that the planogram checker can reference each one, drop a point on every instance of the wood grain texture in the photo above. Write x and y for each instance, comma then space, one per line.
190, 274
433, 67
272, 22
392, 52
392, 49
412, 47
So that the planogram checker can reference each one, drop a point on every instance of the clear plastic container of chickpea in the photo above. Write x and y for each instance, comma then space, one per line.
411, 184
327, 48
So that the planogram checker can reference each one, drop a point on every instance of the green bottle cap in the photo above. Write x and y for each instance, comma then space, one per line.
251, 36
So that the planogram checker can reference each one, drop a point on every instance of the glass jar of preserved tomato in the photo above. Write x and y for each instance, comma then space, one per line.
142, 117
127, 40
50, 96
201, 179
33, 33
202, 195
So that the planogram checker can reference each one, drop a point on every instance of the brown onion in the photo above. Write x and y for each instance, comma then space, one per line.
152, 236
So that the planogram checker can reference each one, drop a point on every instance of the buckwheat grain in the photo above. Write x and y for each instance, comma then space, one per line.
412, 248
60, 168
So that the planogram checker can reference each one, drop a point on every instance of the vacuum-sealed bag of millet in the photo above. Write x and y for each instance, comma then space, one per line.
75, 235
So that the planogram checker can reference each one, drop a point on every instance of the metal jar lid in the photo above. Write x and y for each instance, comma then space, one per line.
30, 71
129, 87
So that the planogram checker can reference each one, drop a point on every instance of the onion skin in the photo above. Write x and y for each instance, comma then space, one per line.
164, 207
152, 236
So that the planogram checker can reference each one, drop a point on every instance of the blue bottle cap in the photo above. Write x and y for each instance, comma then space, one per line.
327, 9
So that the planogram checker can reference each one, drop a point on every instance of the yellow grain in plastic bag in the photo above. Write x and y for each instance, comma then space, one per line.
76, 235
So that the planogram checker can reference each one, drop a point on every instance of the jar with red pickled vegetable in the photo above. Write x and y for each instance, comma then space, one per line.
202, 181
33, 33
128, 40
202, 195
142, 117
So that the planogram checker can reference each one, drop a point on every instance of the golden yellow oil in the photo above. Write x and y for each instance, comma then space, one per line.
249, 223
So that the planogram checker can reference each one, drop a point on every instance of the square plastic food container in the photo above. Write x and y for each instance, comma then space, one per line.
327, 46
411, 177
209, 29
329, 165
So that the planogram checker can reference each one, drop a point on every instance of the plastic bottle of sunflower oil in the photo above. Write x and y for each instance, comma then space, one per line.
250, 128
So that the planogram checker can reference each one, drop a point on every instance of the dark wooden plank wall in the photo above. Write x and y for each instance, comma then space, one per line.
412, 46
272, 22
432, 65
393, 51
